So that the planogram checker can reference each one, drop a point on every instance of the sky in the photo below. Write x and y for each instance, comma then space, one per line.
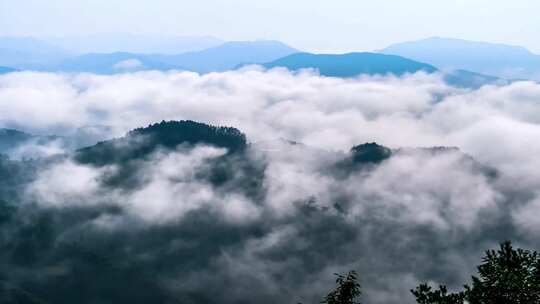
338, 25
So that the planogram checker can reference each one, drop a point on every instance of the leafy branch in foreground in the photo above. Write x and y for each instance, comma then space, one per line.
347, 290
508, 275
426, 295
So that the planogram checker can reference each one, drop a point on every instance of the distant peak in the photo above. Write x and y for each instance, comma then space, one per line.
142, 142
370, 153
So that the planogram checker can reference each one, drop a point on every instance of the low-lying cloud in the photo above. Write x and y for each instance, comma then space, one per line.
421, 215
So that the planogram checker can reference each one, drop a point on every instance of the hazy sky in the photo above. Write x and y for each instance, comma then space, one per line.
306, 24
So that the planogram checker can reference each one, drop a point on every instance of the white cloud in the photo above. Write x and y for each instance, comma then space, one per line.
494, 124
414, 215
68, 184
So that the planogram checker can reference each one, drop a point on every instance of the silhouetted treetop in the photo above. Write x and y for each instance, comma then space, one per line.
425, 294
370, 153
347, 290
173, 133
506, 276
141, 142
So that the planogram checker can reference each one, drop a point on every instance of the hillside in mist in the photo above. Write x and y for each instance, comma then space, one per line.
182, 200
257, 184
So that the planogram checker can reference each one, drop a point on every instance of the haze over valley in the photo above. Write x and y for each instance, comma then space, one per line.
153, 166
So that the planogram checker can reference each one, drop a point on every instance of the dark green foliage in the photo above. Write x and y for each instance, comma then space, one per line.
426, 295
347, 290
508, 275
130, 153
364, 156
172, 133
82, 269
370, 153
141, 142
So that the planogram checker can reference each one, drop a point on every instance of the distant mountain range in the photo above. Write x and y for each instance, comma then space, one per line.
34, 54
463, 63
229, 55
216, 59
355, 64
351, 64
134, 43
501, 60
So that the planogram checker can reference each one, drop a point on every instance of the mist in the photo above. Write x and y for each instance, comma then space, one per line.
294, 209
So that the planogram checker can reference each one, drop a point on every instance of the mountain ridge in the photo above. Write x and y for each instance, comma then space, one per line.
229, 55
367, 63
497, 59
215, 59
351, 64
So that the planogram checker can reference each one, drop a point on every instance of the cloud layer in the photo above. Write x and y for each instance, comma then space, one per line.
288, 215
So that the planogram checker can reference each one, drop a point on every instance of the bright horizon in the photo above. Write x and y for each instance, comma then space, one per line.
324, 26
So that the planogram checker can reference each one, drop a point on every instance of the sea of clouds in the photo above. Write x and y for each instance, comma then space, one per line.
418, 216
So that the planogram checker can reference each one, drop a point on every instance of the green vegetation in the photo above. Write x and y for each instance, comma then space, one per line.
347, 290
370, 153
141, 142
506, 276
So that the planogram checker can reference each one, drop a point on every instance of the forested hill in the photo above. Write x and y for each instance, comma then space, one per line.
140, 142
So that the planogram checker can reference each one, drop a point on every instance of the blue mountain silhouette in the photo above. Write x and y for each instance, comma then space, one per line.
351, 64
229, 55
355, 64
501, 60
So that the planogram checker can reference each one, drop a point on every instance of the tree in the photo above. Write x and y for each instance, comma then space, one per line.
426, 295
347, 290
506, 276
